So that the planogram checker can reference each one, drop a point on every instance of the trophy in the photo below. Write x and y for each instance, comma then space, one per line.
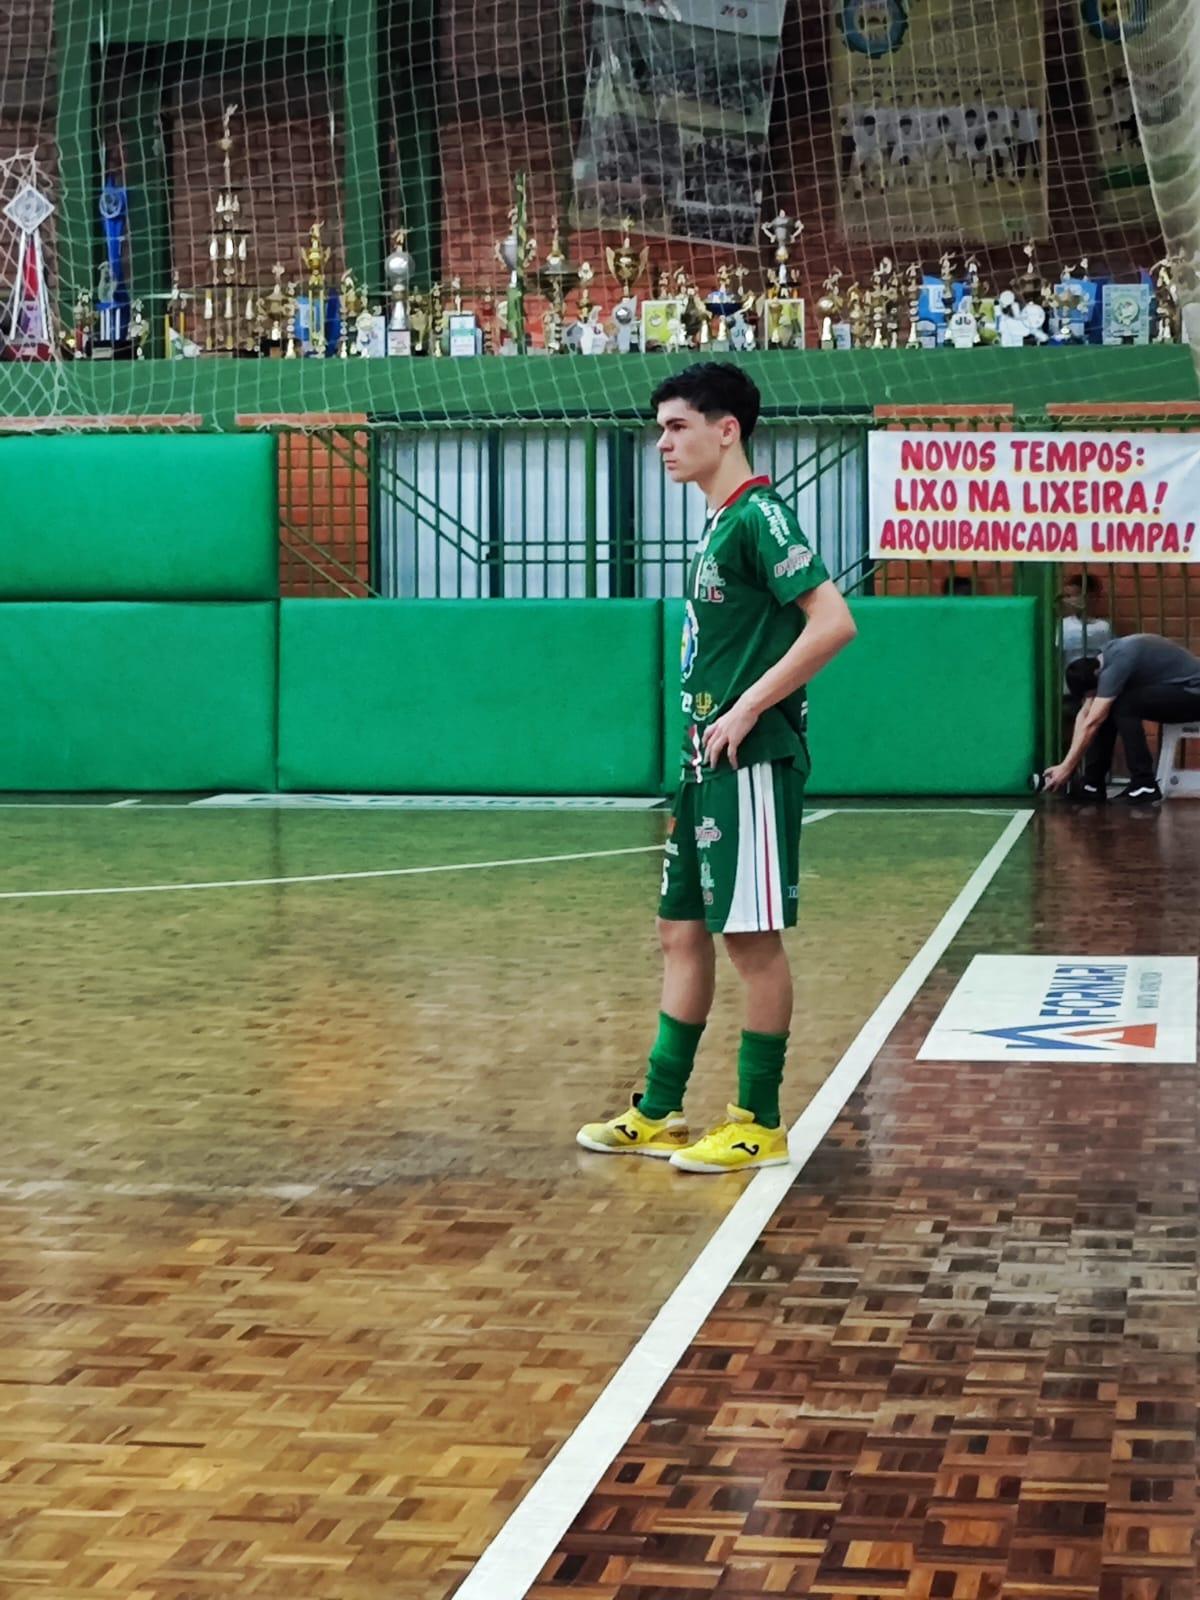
626, 267
982, 302
722, 304
517, 254
435, 342
291, 312
465, 334
661, 328
399, 266
857, 314
315, 257
350, 303
487, 332
139, 330
418, 313
83, 325
272, 316
782, 325
743, 325
883, 301
1167, 313
229, 305
785, 233
112, 311
693, 313
913, 284
557, 278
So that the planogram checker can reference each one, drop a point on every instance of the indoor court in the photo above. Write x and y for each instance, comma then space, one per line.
307, 1286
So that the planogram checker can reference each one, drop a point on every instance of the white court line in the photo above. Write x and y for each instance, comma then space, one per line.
531, 1535
189, 807
344, 877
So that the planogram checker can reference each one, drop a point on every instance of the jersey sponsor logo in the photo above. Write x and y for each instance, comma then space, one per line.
689, 645
671, 848
705, 706
685, 703
706, 882
798, 557
710, 585
776, 521
707, 833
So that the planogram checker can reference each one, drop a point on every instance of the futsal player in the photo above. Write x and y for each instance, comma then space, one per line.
761, 619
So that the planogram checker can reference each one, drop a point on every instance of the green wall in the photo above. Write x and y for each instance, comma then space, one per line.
796, 383
111, 696
471, 696
119, 517
933, 697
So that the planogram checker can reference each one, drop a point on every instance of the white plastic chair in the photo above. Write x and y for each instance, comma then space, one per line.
1170, 780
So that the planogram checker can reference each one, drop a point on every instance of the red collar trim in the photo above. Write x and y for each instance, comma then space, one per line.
751, 483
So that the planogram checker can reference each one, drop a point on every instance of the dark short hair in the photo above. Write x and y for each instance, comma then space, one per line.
1084, 583
1082, 676
714, 389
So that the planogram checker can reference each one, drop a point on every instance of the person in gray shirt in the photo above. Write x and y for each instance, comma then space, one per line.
1142, 678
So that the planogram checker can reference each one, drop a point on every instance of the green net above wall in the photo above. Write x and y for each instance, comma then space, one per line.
369, 207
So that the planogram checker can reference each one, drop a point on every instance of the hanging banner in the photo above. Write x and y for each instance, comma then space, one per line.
1122, 190
1087, 497
940, 112
677, 108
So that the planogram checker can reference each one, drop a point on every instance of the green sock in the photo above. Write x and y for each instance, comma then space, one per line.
760, 1072
670, 1066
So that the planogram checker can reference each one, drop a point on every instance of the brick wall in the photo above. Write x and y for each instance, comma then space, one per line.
324, 510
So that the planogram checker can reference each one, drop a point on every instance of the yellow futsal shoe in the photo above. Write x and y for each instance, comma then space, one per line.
734, 1145
632, 1134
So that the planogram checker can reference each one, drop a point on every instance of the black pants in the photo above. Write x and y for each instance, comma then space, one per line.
1129, 710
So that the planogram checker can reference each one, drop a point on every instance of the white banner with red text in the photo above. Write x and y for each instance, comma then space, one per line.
1078, 497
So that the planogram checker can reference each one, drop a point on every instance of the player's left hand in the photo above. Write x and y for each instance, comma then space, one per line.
725, 735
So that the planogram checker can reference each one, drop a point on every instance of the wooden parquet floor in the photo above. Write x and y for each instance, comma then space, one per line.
302, 1277
961, 1363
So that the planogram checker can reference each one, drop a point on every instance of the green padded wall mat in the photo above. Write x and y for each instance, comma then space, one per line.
470, 696
138, 517
114, 696
933, 697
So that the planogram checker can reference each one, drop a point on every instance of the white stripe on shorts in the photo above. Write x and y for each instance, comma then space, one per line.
757, 902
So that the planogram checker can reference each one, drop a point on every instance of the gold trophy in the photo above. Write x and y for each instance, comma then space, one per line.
982, 303
272, 316
858, 316
175, 320
418, 311
437, 320
398, 267
721, 305
782, 324
315, 257
350, 304
557, 278
626, 266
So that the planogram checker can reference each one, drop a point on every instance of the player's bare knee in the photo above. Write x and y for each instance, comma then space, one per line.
750, 952
682, 938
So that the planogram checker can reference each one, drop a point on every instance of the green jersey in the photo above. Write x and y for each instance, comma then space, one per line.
740, 618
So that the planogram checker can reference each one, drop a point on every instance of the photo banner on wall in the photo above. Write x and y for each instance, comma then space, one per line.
939, 112
1078, 497
676, 116
1123, 192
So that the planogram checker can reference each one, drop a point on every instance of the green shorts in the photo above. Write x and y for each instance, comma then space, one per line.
732, 857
